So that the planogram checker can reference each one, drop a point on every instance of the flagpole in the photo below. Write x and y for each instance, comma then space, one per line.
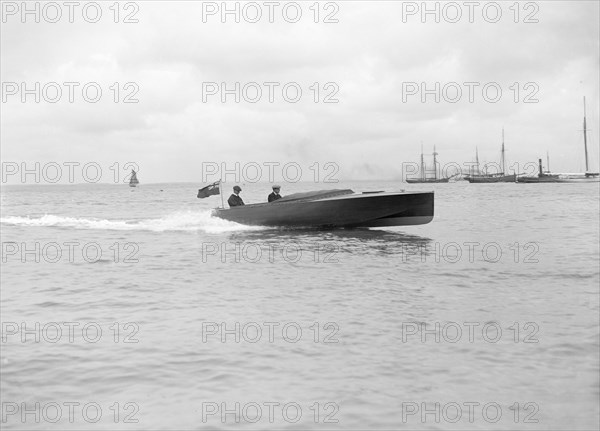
221, 193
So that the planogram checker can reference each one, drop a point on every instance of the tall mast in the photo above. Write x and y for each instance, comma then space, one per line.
547, 161
503, 160
477, 160
434, 164
585, 138
422, 163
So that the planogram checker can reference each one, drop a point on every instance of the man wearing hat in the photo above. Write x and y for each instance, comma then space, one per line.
275, 195
235, 200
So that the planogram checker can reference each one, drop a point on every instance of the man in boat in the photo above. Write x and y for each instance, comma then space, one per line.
275, 195
235, 200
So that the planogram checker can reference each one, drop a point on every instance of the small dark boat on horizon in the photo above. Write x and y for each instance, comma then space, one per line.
133, 182
336, 208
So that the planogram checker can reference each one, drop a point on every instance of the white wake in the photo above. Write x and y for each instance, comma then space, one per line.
178, 221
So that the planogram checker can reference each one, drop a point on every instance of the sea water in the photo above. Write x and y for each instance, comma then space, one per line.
133, 308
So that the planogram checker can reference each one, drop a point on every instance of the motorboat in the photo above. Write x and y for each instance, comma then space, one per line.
336, 208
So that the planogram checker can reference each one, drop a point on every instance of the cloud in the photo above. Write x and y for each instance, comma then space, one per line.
365, 61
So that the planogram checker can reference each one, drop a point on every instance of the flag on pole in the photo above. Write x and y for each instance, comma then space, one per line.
210, 190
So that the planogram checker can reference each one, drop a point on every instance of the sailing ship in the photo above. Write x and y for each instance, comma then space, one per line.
548, 177
133, 182
474, 169
499, 177
587, 176
424, 178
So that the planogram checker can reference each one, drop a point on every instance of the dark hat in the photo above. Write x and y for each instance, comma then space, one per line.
237, 188
276, 186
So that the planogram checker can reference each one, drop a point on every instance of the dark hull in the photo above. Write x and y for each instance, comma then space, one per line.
492, 179
356, 210
426, 180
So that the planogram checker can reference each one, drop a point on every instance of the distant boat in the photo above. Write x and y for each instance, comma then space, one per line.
133, 182
475, 171
548, 177
588, 176
499, 177
424, 178
542, 177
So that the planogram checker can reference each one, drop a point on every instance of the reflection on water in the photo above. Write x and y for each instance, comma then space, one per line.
351, 241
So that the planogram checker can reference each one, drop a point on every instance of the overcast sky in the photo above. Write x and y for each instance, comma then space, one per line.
371, 56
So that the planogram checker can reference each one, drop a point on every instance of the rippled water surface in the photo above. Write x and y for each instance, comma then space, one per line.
197, 314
